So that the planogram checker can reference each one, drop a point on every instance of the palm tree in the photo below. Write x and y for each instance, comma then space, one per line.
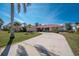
1, 23
12, 16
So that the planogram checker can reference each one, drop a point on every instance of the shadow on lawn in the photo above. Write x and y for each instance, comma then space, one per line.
7, 48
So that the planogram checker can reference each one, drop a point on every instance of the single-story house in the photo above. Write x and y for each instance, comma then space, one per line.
45, 28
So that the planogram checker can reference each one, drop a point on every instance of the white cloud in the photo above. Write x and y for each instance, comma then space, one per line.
15, 18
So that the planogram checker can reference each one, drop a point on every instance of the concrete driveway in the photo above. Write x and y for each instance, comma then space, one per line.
48, 44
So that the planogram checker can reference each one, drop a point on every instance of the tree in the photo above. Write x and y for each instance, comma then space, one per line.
24, 27
17, 26
16, 23
29, 28
29, 25
1, 23
36, 24
6, 28
68, 26
77, 23
12, 15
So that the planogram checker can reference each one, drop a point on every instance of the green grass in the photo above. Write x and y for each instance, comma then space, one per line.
73, 40
19, 37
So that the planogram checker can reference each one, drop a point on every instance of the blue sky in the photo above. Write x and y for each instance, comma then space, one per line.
45, 13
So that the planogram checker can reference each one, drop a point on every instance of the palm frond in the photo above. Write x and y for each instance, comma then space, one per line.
19, 7
28, 4
1, 21
24, 6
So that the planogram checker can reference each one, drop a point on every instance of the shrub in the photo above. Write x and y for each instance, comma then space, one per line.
55, 30
70, 31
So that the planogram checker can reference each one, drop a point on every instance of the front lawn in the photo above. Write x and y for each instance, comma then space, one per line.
19, 36
73, 40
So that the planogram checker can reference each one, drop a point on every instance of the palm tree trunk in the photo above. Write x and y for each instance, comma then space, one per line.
12, 20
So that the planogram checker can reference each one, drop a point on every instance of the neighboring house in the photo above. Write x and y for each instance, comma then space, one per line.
17, 28
44, 28
74, 28
77, 26
77, 30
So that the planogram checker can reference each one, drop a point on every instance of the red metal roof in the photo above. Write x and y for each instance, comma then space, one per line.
49, 25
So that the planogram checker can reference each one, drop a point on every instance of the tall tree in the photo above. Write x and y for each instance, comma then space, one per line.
12, 15
68, 26
1, 23
37, 24
24, 27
